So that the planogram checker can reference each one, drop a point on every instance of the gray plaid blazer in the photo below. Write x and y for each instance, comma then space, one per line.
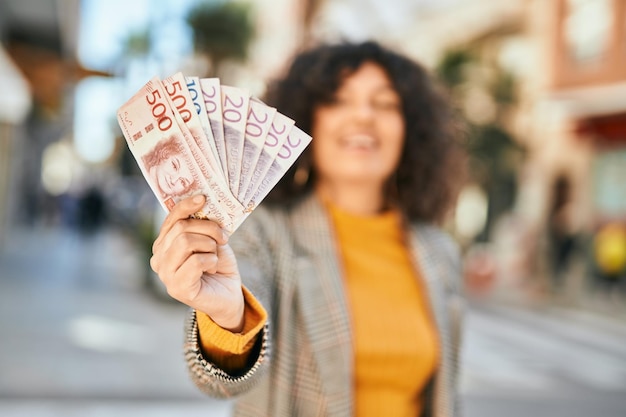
302, 363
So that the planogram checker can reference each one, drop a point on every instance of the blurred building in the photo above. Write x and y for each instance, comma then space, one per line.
15, 104
39, 40
586, 84
577, 124
32, 37
567, 61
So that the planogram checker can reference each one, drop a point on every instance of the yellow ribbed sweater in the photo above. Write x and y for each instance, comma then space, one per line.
395, 344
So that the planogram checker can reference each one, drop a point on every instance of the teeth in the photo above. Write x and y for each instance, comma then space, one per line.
360, 141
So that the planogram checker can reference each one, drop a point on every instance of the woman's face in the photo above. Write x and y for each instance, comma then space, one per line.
173, 176
360, 135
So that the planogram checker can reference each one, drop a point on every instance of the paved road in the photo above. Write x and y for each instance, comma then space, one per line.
550, 362
80, 336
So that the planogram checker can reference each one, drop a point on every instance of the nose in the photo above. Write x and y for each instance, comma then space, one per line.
363, 111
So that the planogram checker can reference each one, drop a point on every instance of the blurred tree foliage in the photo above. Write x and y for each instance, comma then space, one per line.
138, 44
451, 67
222, 31
494, 155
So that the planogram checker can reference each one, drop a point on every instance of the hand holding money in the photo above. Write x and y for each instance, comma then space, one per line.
194, 136
197, 267
208, 152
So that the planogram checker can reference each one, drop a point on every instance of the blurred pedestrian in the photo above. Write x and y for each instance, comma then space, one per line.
562, 235
351, 298
91, 211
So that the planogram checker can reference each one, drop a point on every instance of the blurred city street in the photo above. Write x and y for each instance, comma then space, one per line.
81, 336
550, 362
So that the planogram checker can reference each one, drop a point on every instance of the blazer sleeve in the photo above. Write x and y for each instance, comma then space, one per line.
255, 260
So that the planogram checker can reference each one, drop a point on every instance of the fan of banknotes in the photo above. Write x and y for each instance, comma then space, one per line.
192, 135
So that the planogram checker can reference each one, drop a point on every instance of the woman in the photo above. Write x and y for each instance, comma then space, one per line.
350, 303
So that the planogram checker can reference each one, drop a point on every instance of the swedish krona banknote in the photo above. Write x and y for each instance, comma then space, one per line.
192, 135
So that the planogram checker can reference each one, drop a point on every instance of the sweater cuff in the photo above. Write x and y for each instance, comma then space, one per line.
223, 346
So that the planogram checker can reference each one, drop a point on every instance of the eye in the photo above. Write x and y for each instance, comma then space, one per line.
387, 102
337, 100
387, 105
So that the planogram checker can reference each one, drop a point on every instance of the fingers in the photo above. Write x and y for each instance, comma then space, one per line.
170, 257
182, 210
206, 228
185, 284
181, 238
178, 222
195, 266
187, 248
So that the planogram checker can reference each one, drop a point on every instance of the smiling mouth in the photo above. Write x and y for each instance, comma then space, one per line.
358, 142
165, 181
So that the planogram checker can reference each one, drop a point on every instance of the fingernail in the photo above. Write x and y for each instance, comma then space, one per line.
198, 199
225, 236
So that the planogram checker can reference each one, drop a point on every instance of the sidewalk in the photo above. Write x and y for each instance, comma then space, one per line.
108, 408
82, 336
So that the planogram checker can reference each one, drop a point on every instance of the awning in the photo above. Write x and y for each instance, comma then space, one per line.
606, 128
597, 111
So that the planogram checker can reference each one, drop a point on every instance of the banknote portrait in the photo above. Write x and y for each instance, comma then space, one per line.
168, 169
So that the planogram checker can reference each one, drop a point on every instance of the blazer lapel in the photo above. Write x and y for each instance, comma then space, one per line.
428, 261
323, 304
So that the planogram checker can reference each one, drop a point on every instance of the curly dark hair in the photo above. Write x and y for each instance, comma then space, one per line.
426, 180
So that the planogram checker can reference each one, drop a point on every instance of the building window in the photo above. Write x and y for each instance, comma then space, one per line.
609, 194
587, 29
